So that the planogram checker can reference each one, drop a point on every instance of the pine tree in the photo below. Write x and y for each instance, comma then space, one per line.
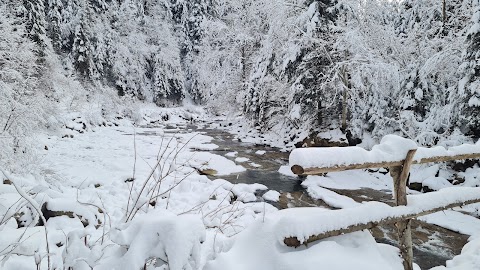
98, 6
188, 17
54, 8
285, 80
470, 85
82, 47
35, 22
166, 72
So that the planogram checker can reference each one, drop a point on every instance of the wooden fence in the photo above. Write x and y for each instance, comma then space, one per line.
399, 170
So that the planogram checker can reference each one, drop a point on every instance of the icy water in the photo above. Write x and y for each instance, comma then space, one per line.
433, 245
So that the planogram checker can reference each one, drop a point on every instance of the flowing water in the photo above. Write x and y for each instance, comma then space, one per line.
433, 245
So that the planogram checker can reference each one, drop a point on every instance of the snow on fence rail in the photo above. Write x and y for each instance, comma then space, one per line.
396, 153
368, 215
390, 152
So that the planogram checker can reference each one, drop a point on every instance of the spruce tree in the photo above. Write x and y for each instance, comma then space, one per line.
82, 49
35, 22
470, 85
54, 16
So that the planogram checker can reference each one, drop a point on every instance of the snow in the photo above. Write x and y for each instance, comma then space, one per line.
285, 170
160, 234
231, 154
241, 159
455, 221
391, 148
334, 135
351, 180
86, 182
436, 183
24, 241
419, 174
442, 151
330, 197
221, 165
255, 165
272, 195
295, 112
204, 147
246, 193
260, 152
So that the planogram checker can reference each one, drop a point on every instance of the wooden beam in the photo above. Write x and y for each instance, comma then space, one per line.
447, 158
404, 231
294, 242
299, 170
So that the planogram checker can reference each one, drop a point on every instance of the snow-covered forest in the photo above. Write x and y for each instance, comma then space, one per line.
107, 109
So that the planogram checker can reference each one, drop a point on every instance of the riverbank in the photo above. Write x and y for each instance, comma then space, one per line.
105, 187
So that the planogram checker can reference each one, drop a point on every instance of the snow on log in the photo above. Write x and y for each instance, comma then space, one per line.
440, 153
391, 152
315, 224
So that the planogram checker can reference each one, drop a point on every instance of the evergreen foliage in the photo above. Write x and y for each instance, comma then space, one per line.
367, 67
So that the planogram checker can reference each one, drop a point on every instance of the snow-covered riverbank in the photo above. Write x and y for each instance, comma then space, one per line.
125, 197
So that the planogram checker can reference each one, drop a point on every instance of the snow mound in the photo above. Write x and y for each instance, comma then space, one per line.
272, 195
246, 192
285, 170
160, 234
454, 221
241, 159
330, 197
221, 165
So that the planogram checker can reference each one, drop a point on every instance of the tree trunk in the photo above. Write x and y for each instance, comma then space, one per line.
444, 12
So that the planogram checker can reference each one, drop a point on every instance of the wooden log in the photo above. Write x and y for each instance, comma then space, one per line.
405, 244
447, 158
404, 231
299, 170
295, 242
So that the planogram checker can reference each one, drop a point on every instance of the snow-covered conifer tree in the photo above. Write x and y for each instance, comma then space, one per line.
54, 8
35, 22
469, 86
82, 47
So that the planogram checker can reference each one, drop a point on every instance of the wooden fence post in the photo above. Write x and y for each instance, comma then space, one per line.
400, 176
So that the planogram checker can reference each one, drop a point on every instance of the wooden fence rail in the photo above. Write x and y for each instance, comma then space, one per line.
299, 170
399, 170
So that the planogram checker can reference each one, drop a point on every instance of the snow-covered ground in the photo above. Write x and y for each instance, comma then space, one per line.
128, 196
118, 197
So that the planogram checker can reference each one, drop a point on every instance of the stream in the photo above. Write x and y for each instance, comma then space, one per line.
433, 245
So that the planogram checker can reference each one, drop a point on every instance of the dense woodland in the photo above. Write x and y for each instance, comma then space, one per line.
368, 67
